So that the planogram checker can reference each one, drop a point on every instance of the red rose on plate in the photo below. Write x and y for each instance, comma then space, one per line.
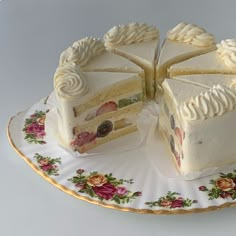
177, 203
203, 188
106, 191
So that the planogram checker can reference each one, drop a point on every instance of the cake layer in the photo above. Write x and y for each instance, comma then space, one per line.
110, 106
105, 128
138, 43
115, 115
111, 136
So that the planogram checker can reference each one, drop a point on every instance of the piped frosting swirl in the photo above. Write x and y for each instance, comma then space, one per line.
129, 34
191, 34
82, 51
69, 82
227, 50
214, 102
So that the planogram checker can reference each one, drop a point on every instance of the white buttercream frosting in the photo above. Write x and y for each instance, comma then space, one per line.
69, 81
191, 34
129, 34
82, 51
214, 102
227, 50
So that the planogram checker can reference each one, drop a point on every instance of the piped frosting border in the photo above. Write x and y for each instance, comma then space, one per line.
129, 34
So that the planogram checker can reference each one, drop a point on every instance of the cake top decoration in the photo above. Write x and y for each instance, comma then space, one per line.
69, 81
130, 33
191, 34
214, 102
82, 51
227, 50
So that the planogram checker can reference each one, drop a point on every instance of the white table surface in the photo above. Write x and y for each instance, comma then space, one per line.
32, 36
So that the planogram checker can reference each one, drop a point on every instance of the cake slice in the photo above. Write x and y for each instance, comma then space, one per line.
197, 121
138, 43
91, 55
220, 61
95, 107
182, 42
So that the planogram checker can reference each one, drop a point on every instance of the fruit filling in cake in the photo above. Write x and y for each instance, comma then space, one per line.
95, 107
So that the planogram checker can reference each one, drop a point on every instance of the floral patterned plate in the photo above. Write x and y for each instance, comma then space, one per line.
126, 180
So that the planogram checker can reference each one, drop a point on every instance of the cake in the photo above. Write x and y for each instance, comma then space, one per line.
182, 42
220, 61
95, 107
138, 43
197, 116
101, 87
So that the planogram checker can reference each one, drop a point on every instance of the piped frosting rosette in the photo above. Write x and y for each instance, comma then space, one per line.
214, 102
191, 34
69, 82
130, 33
227, 51
82, 51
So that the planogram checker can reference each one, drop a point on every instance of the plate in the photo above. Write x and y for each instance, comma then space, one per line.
128, 180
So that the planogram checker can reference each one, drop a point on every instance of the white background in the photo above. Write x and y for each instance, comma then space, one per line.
32, 36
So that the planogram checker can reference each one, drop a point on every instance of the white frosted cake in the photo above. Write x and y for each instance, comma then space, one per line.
101, 87
197, 121
138, 43
220, 61
95, 107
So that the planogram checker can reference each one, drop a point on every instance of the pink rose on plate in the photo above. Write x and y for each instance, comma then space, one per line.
80, 186
121, 191
177, 203
47, 167
106, 191
40, 134
35, 128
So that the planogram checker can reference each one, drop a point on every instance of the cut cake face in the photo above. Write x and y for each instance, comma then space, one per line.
138, 43
95, 107
182, 42
196, 117
220, 61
